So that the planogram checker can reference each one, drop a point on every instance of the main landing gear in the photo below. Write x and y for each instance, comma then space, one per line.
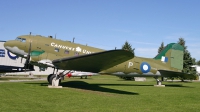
55, 79
159, 83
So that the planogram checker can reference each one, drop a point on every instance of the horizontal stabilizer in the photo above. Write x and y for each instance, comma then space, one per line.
165, 73
94, 62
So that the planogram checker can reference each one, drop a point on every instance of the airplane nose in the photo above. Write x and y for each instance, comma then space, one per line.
8, 44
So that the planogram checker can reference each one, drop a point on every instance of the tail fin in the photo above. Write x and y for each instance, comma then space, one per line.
172, 54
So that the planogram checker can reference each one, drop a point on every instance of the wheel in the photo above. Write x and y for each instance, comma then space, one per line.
128, 78
48, 78
52, 77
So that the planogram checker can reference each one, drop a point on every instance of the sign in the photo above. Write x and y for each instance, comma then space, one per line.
2, 53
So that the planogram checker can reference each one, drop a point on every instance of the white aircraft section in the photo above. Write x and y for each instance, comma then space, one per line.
7, 58
80, 74
197, 68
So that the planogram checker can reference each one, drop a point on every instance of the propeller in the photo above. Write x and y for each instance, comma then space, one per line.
26, 65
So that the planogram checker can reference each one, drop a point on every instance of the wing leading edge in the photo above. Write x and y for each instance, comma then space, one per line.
94, 62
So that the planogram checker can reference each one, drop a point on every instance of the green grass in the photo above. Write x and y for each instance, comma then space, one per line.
100, 94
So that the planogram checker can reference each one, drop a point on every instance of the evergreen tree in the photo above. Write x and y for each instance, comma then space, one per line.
161, 47
128, 47
188, 61
198, 63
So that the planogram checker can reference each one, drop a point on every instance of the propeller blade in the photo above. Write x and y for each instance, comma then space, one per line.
26, 65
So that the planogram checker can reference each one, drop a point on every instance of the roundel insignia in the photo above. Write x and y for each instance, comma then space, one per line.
12, 56
145, 67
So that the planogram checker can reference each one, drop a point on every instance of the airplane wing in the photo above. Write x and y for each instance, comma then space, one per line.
165, 73
94, 62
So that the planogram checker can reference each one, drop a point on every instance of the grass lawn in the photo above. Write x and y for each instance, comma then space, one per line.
100, 94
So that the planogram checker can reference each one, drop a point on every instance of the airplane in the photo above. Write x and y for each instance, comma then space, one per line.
42, 51
49, 52
80, 74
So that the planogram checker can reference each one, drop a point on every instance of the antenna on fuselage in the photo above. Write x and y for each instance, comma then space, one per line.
73, 39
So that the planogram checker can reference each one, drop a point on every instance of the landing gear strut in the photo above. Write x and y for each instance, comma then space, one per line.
55, 79
159, 82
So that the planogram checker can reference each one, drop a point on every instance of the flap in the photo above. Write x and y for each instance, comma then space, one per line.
94, 62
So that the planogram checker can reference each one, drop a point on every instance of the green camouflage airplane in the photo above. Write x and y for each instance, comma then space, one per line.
49, 52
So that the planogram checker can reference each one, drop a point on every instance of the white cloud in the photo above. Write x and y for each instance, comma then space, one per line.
146, 52
146, 43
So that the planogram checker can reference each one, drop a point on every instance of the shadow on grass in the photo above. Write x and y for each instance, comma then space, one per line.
177, 85
167, 85
97, 87
179, 81
4, 79
92, 87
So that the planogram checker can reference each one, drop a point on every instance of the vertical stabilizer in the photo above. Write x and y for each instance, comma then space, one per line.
172, 54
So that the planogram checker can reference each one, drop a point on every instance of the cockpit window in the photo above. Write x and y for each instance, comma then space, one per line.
23, 40
20, 39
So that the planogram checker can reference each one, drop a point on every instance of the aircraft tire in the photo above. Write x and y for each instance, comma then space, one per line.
52, 77
48, 78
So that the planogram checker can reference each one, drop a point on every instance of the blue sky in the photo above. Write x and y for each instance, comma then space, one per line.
106, 24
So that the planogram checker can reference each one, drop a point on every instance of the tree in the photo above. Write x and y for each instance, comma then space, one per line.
128, 47
188, 61
198, 62
161, 47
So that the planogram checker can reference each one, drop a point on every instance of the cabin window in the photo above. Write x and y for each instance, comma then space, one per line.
23, 40
76, 53
56, 50
66, 52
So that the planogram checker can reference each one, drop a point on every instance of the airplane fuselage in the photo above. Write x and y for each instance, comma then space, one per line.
46, 49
